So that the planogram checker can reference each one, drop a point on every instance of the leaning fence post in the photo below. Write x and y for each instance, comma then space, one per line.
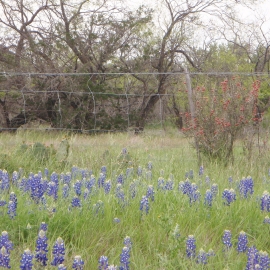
192, 110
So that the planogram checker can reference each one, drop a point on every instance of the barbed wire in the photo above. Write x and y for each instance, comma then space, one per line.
214, 73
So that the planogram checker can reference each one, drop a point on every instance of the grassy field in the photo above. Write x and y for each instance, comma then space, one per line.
159, 236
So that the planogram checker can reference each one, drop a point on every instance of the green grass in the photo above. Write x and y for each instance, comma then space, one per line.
154, 246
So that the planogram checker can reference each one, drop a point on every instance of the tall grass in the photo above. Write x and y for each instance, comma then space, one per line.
154, 244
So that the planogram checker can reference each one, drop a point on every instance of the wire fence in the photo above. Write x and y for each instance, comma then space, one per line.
108, 102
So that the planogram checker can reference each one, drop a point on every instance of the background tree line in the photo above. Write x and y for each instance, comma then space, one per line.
106, 40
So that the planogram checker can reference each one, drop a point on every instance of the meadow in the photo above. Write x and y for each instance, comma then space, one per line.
142, 201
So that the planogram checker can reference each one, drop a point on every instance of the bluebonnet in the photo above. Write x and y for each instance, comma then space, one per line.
91, 183
15, 178
36, 187
202, 257
52, 190
3, 202
4, 184
107, 186
5, 242
43, 226
169, 184
103, 263
101, 180
65, 191
214, 189
124, 259
67, 178
61, 267
76, 202
161, 183
58, 252
116, 220
264, 260
144, 205
149, 165
13, 197
228, 196
150, 193
12, 208
266, 220
120, 179
54, 178
41, 248
265, 201
191, 246
230, 179
78, 187
208, 199
26, 262
242, 242
78, 263
201, 170
227, 239
252, 258
4, 258
46, 172
103, 170
246, 187
194, 194
128, 242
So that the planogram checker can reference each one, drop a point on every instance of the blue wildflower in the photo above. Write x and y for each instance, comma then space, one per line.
242, 242
228, 196
12, 207
214, 189
144, 205
41, 248
5, 242
4, 184
52, 190
207, 180
208, 199
169, 185
202, 257
76, 202
190, 174
191, 247
67, 178
26, 260
78, 187
65, 191
266, 220
107, 186
128, 242
124, 259
58, 252
116, 220
103, 170
201, 170
86, 194
139, 171
78, 263
43, 226
161, 183
265, 201
149, 165
15, 178
103, 263
120, 179
150, 193
252, 258
227, 239
264, 260
246, 187
4, 258
101, 180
